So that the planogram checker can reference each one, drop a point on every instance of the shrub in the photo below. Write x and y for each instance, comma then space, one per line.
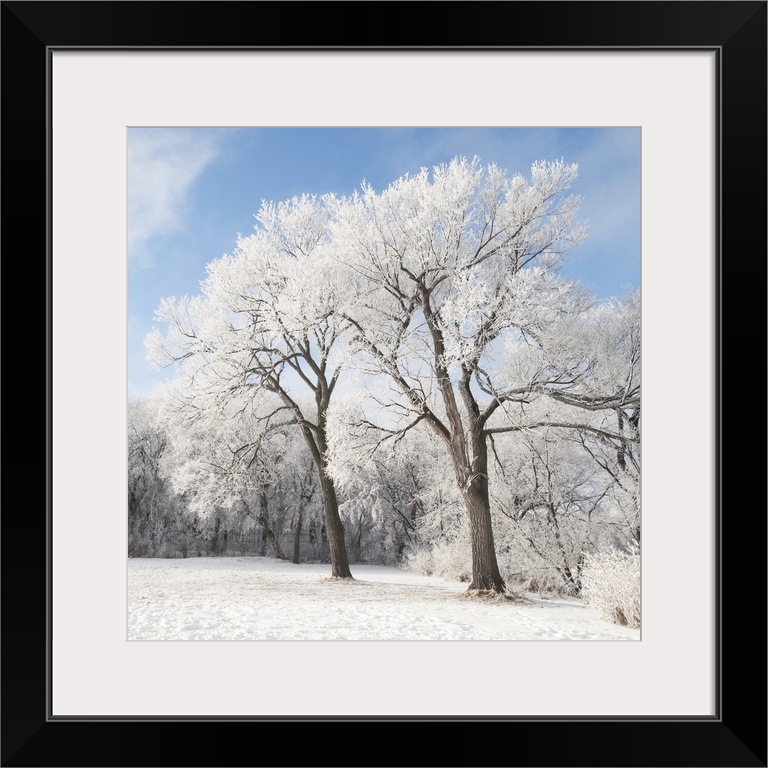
449, 560
611, 582
546, 583
418, 560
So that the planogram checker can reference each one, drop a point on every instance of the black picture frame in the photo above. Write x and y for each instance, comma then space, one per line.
736, 735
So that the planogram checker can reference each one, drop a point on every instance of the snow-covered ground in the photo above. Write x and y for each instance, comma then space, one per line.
255, 598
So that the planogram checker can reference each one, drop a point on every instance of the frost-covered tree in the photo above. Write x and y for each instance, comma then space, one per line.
391, 483
266, 323
613, 333
549, 507
158, 518
244, 477
460, 308
594, 364
221, 457
147, 490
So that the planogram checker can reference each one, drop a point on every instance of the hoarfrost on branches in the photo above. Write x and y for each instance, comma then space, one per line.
490, 420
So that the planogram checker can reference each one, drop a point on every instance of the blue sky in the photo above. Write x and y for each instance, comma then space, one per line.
192, 190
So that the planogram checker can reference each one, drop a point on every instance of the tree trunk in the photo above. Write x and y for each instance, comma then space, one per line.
216, 547
334, 527
268, 532
473, 479
297, 536
485, 568
315, 439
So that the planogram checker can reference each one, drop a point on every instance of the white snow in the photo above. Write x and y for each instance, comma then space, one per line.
255, 598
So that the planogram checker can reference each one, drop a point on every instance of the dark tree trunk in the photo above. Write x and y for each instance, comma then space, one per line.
485, 568
621, 451
466, 442
359, 539
316, 441
306, 492
473, 483
474, 490
297, 536
264, 520
334, 527
414, 528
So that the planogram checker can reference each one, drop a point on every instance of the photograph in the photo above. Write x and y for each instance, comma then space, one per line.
384, 383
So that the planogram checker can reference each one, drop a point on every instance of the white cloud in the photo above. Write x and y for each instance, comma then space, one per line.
163, 164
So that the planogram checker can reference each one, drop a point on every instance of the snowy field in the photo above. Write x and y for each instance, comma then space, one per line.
254, 598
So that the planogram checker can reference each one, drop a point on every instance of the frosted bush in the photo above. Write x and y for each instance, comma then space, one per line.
449, 560
418, 560
611, 582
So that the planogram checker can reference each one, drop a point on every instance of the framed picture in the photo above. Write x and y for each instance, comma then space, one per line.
692, 77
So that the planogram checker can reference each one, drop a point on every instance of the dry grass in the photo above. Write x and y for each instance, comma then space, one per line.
489, 596
611, 582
